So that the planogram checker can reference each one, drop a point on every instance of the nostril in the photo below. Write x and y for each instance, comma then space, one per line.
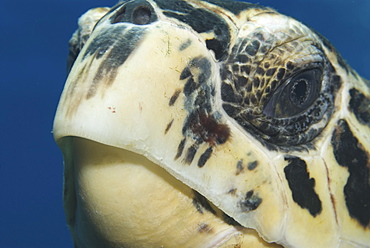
138, 12
141, 15
120, 16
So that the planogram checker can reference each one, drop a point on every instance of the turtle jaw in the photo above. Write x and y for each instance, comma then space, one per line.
119, 199
124, 200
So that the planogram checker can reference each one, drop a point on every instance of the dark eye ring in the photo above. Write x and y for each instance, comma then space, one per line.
296, 95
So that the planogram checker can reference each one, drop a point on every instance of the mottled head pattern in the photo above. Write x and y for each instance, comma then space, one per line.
250, 108
280, 86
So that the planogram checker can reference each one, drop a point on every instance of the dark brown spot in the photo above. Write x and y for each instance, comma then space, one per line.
274, 84
252, 165
252, 48
249, 87
239, 167
350, 153
260, 71
105, 75
360, 106
232, 191
290, 65
246, 69
205, 228
208, 129
190, 154
227, 93
280, 74
231, 110
168, 126
250, 202
190, 86
117, 48
241, 81
258, 94
185, 73
268, 89
253, 100
263, 82
256, 82
270, 72
242, 58
180, 149
204, 157
185, 45
235, 68
302, 186
174, 97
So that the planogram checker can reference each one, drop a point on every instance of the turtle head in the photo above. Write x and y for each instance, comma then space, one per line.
274, 76
248, 107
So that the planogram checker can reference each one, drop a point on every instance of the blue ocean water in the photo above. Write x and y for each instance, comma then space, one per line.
33, 48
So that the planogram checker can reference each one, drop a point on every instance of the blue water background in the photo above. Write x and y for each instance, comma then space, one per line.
33, 50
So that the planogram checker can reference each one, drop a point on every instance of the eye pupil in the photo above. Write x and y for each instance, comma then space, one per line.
299, 92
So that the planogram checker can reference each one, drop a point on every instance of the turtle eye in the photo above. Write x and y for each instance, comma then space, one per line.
296, 95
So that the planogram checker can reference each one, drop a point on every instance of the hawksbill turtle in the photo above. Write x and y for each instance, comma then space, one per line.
213, 123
